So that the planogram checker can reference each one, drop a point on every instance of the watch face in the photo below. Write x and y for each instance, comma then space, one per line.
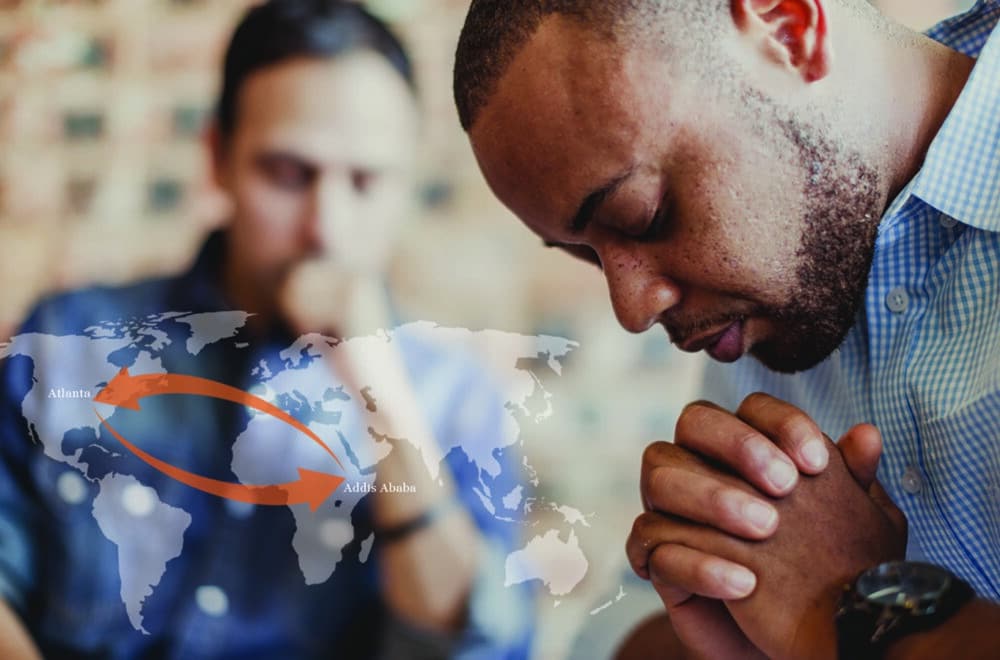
908, 585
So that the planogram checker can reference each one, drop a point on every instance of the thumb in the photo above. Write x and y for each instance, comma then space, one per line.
882, 499
861, 448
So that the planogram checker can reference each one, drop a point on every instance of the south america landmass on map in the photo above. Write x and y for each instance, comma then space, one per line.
69, 371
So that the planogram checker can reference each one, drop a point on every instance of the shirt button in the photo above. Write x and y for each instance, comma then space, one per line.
911, 480
947, 221
898, 300
211, 600
71, 488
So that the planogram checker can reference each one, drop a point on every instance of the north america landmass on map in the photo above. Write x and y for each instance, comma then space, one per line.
59, 413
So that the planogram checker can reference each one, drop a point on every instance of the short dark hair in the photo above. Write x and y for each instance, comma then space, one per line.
278, 30
495, 31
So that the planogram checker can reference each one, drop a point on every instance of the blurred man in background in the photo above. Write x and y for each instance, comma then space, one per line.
807, 184
102, 555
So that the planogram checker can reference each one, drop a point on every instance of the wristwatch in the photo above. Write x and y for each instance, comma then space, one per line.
893, 600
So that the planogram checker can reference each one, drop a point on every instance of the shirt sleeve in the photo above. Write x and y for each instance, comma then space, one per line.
486, 472
498, 625
20, 511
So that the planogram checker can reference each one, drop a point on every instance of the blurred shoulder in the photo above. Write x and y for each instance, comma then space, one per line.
445, 359
71, 312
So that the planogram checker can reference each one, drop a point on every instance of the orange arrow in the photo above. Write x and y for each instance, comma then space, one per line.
125, 390
312, 487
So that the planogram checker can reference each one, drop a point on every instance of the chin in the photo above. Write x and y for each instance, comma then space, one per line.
785, 364
797, 356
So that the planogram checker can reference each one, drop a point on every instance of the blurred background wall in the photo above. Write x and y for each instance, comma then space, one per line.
103, 179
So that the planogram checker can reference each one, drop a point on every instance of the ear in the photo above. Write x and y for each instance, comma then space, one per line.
217, 148
791, 32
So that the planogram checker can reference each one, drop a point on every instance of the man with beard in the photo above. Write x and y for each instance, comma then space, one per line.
811, 192
103, 556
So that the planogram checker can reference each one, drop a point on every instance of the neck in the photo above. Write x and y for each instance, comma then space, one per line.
245, 292
914, 83
937, 80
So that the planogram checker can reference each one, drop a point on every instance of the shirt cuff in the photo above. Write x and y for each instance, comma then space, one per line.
498, 623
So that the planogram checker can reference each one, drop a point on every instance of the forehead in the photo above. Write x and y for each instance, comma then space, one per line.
355, 106
573, 110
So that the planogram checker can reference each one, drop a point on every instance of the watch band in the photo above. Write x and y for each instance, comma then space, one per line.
420, 521
855, 629
863, 635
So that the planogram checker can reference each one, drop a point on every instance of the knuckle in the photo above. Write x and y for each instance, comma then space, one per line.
633, 547
700, 404
794, 427
643, 541
655, 453
755, 454
693, 418
715, 502
703, 570
664, 560
661, 485
755, 402
642, 527
748, 443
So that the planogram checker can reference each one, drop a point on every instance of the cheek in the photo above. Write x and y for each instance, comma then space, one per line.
743, 230
744, 204
273, 215
365, 240
387, 208
266, 230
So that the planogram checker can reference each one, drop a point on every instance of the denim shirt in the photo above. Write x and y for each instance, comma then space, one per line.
105, 557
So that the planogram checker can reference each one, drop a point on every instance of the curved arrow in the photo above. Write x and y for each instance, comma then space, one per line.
125, 391
312, 487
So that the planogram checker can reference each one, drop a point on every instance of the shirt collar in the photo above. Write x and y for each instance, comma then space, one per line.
200, 288
961, 173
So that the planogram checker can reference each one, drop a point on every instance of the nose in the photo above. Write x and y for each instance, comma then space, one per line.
640, 292
330, 213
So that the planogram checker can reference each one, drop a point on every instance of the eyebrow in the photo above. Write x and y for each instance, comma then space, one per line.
593, 201
270, 155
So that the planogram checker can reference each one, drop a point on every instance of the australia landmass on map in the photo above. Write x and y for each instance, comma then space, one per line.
59, 413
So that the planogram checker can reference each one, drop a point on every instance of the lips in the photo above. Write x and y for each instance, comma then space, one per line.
729, 346
725, 345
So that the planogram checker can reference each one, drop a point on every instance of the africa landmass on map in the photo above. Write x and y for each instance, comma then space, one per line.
70, 370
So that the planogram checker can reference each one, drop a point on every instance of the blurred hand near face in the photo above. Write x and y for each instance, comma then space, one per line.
330, 298
322, 296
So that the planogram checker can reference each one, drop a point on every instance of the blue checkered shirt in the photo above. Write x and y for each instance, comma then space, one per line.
923, 360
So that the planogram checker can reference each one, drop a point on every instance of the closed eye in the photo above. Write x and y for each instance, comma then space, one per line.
658, 224
364, 180
581, 252
285, 171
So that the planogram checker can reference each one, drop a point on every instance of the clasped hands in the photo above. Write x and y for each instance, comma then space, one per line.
752, 524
